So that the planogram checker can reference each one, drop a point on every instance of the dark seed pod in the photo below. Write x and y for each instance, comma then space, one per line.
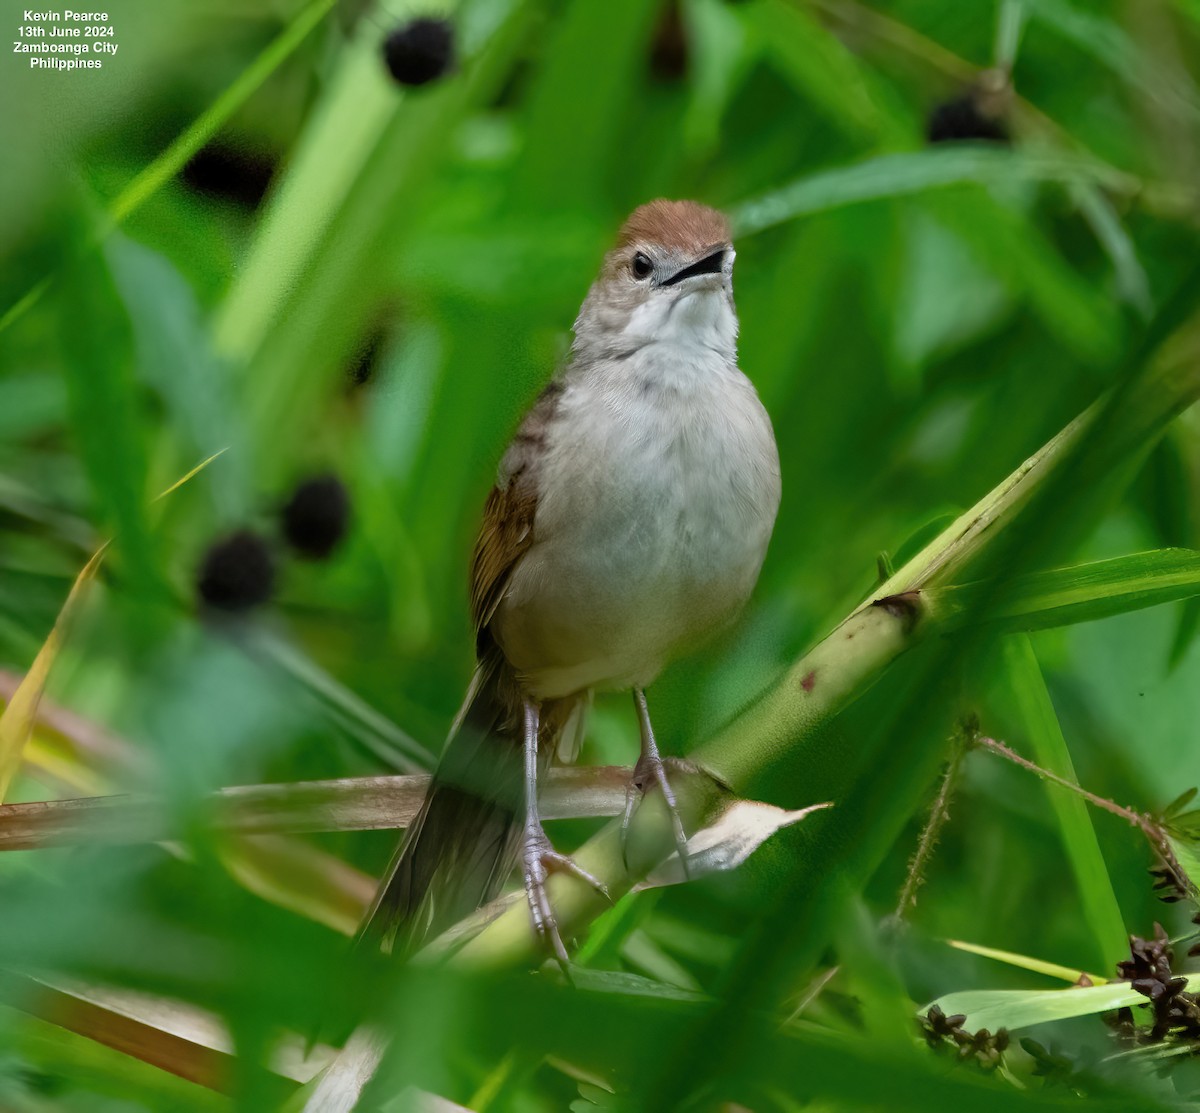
419, 51
316, 517
977, 115
960, 120
231, 172
237, 573
669, 47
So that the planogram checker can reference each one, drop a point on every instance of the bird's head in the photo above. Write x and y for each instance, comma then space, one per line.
668, 279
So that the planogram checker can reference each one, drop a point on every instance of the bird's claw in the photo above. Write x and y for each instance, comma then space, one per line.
651, 769
541, 860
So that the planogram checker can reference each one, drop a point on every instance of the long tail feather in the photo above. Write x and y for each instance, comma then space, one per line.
464, 842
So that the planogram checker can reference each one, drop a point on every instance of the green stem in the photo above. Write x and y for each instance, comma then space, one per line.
939, 815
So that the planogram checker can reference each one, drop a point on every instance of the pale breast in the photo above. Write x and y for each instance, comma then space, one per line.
657, 496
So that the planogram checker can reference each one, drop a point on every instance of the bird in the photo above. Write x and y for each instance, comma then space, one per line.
629, 521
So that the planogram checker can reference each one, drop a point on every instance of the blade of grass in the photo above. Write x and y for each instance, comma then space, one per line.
300, 878
1114, 237
1026, 688
1025, 962
107, 416
209, 122
908, 172
19, 717
171, 1035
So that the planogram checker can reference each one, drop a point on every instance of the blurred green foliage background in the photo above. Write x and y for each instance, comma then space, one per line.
241, 235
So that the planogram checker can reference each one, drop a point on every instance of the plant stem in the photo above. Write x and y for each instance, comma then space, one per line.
1137, 819
939, 814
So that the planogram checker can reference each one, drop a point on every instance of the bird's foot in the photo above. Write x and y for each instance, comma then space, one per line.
651, 770
540, 860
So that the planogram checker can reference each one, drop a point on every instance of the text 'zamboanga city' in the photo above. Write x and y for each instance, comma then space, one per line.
65, 39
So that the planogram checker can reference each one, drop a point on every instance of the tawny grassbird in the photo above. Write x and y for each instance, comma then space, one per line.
629, 521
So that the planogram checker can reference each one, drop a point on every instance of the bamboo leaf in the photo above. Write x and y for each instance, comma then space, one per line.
1081, 593
630, 985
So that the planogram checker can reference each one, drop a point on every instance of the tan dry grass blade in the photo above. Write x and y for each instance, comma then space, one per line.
172, 1035
19, 717
20, 713
187, 476
301, 878
302, 807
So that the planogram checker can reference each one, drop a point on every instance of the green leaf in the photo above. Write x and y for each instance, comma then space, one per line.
1027, 690
1114, 48
721, 54
108, 419
1176, 806
909, 172
1024, 1008
1081, 593
352, 115
825, 71
572, 138
1114, 237
615, 981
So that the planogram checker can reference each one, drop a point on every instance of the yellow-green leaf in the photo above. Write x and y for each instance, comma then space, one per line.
19, 716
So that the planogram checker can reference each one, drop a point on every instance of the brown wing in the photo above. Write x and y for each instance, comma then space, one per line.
506, 532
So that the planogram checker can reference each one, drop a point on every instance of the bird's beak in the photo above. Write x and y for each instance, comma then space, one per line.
712, 263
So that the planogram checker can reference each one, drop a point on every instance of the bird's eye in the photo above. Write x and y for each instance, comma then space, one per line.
642, 266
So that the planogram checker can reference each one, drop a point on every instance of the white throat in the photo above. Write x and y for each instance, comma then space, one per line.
697, 318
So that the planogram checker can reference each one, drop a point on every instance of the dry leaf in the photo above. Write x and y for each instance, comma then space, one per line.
725, 844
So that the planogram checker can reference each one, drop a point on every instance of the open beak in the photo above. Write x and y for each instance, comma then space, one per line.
713, 263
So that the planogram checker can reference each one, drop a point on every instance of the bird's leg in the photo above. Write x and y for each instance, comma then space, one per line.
650, 769
539, 857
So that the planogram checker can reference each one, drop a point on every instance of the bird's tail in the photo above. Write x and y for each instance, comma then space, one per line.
463, 843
